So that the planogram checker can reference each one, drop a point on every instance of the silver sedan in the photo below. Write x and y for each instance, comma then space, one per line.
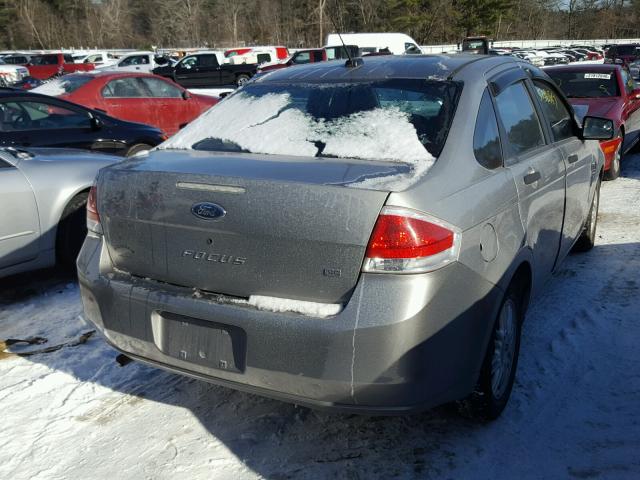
43, 193
362, 236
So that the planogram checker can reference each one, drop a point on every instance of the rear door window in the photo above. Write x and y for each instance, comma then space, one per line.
303, 57
555, 111
207, 61
128, 87
519, 119
486, 138
160, 89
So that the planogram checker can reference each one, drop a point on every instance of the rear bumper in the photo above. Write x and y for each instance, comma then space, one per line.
401, 344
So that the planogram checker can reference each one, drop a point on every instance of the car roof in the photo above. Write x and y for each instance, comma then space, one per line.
435, 67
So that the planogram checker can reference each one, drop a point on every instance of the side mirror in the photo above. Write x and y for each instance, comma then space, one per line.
186, 95
96, 123
597, 128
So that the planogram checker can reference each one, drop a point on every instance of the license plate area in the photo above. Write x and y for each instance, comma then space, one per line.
200, 342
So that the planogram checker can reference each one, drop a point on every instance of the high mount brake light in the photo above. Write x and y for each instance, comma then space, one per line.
408, 241
93, 217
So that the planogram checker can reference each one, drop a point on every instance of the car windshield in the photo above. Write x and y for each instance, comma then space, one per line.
63, 85
585, 84
402, 120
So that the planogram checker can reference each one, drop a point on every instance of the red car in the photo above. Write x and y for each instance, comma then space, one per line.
136, 97
50, 65
608, 91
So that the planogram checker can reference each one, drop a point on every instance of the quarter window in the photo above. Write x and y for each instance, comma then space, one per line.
519, 119
486, 139
555, 111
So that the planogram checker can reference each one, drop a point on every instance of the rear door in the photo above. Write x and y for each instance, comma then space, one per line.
19, 224
127, 99
210, 74
579, 162
173, 111
537, 168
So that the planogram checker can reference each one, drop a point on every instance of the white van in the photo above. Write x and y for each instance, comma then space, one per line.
396, 43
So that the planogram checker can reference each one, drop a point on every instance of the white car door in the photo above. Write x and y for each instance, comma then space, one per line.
19, 222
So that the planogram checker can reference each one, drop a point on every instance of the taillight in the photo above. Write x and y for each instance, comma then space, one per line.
408, 241
93, 217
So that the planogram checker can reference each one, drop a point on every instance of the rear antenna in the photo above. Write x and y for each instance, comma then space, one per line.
352, 62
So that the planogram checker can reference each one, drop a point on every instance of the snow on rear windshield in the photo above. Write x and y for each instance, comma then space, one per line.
63, 85
393, 120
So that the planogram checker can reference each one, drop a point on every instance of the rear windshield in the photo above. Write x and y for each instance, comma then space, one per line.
392, 120
63, 85
586, 84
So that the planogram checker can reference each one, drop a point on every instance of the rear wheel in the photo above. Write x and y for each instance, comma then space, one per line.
137, 148
587, 238
494, 387
72, 229
242, 79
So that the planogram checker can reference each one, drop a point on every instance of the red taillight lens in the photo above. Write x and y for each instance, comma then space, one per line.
404, 237
407, 241
93, 217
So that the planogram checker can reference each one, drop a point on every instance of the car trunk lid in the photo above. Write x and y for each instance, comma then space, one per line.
242, 224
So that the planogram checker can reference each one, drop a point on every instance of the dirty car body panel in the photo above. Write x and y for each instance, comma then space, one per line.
174, 289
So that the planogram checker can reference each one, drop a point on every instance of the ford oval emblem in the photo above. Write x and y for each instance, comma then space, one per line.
208, 211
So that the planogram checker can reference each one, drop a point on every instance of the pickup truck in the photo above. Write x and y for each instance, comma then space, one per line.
51, 65
207, 69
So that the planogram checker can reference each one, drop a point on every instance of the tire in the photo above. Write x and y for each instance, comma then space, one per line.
72, 230
242, 79
614, 168
137, 148
587, 238
492, 392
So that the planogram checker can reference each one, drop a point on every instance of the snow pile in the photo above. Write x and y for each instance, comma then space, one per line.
270, 125
278, 305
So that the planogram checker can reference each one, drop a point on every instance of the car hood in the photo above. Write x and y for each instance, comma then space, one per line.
600, 107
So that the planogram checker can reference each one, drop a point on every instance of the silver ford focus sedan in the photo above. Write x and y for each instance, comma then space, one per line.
362, 236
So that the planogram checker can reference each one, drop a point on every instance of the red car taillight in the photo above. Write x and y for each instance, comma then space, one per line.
408, 241
93, 217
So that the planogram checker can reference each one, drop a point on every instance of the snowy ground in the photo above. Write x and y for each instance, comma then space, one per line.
574, 413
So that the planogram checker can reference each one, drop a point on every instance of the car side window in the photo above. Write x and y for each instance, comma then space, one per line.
4, 164
188, 63
486, 138
161, 89
207, 61
127, 87
628, 81
519, 119
317, 56
134, 60
302, 57
556, 112
21, 116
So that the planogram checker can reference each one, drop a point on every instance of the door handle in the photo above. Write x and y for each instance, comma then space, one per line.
531, 177
573, 158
